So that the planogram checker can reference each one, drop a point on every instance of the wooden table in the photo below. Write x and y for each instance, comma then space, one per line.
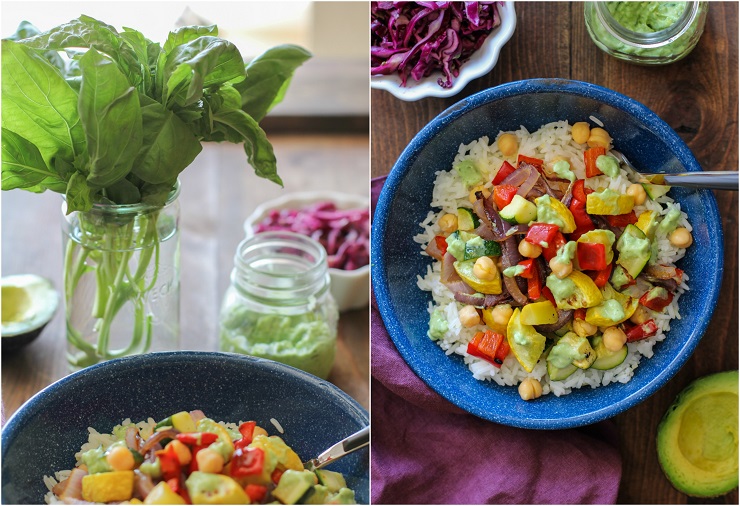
698, 98
219, 190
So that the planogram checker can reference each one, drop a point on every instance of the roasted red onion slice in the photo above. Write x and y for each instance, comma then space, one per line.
532, 176
564, 316
156, 438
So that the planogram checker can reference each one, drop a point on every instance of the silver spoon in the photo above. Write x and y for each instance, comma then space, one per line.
358, 440
716, 180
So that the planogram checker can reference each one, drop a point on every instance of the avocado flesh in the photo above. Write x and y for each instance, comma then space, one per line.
698, 437
28, 304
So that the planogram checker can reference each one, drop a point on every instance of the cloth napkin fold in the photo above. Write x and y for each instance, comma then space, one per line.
425, 450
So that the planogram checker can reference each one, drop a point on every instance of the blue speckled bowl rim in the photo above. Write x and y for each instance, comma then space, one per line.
35, 404
406, 161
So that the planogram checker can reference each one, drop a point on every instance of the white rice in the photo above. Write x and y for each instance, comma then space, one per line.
550, 141
277, 425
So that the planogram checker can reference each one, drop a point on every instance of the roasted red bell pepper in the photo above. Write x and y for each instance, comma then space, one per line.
256, 493
553, 246
529, 268
247, 461
246, 429
579, 314
589, 157
197, 438
546, 293
580, 191
501, 353
638, 332
441, 243
537, 162
169, 462
657, 298
541, 234
534, 286
503, 172
601, 278
503, 194
485, 345
621, 220
580, 216
276, 475
591, 256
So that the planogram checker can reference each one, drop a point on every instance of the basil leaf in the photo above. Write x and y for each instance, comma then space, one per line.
22, 163
39, 103
111, 116
123, 192
79, 193
268, 77
258, 149
200, 63
168, 144
140, 46
90, 33
26, 30
156, 194
185, 34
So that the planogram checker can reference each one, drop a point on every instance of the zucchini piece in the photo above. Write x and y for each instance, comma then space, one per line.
634, 250
519, 210
605, 358
467, 219
475, 249
331, 480
655, 190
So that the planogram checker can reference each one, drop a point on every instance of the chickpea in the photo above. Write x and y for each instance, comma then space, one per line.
529, 250
120, 459
530, 388
447, 223
640, 315
614, 338
560, 269
638, 193
485, 269
599, 137
182, 452
209, 461
508, 144
580, 132
486, 193
501, 314
584, 329
469, 316
681, 238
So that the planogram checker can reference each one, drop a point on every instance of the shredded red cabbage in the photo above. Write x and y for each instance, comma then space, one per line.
418, 38
344, 233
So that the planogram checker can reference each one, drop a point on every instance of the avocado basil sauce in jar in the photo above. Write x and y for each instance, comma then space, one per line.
278, 305
648, 33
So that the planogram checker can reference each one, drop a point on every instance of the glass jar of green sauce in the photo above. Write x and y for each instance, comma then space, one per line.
648, 33
278, 305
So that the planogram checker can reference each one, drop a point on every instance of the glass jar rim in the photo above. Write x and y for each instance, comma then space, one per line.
138, 208
648, 40
254, 279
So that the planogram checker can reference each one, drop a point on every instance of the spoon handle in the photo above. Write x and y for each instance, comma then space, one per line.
716, 180
358, 440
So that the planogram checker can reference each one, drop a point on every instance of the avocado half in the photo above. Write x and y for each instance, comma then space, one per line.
698, 437
28, 305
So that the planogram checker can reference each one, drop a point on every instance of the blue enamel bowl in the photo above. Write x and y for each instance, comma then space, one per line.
46, 432
645, 139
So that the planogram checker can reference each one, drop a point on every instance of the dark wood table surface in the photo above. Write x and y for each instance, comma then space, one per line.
219, 190
698, 98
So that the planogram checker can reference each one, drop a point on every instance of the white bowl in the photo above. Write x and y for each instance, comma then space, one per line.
480, 63
351, 289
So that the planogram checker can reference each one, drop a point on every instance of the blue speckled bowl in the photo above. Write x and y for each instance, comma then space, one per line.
647, 142
43, 436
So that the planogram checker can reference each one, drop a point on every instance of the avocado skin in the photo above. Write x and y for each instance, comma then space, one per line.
15, 343
687, 480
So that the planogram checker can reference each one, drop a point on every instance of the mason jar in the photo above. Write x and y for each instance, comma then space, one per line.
121, 280
278, 305
648, 33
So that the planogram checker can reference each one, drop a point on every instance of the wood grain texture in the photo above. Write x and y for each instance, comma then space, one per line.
698, 98
219, 190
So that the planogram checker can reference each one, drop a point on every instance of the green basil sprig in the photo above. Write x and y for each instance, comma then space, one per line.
122, 116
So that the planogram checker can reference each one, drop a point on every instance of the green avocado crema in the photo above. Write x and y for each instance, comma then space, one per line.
438, 326
670, 221
563, 354
546, 213
562, 169
512, 271
304, 341
561, 288
469, 173
646, 17
566, 253
520, 336
612, 310
608, 165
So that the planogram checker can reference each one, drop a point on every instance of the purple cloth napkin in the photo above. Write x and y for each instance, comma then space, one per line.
425, 450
